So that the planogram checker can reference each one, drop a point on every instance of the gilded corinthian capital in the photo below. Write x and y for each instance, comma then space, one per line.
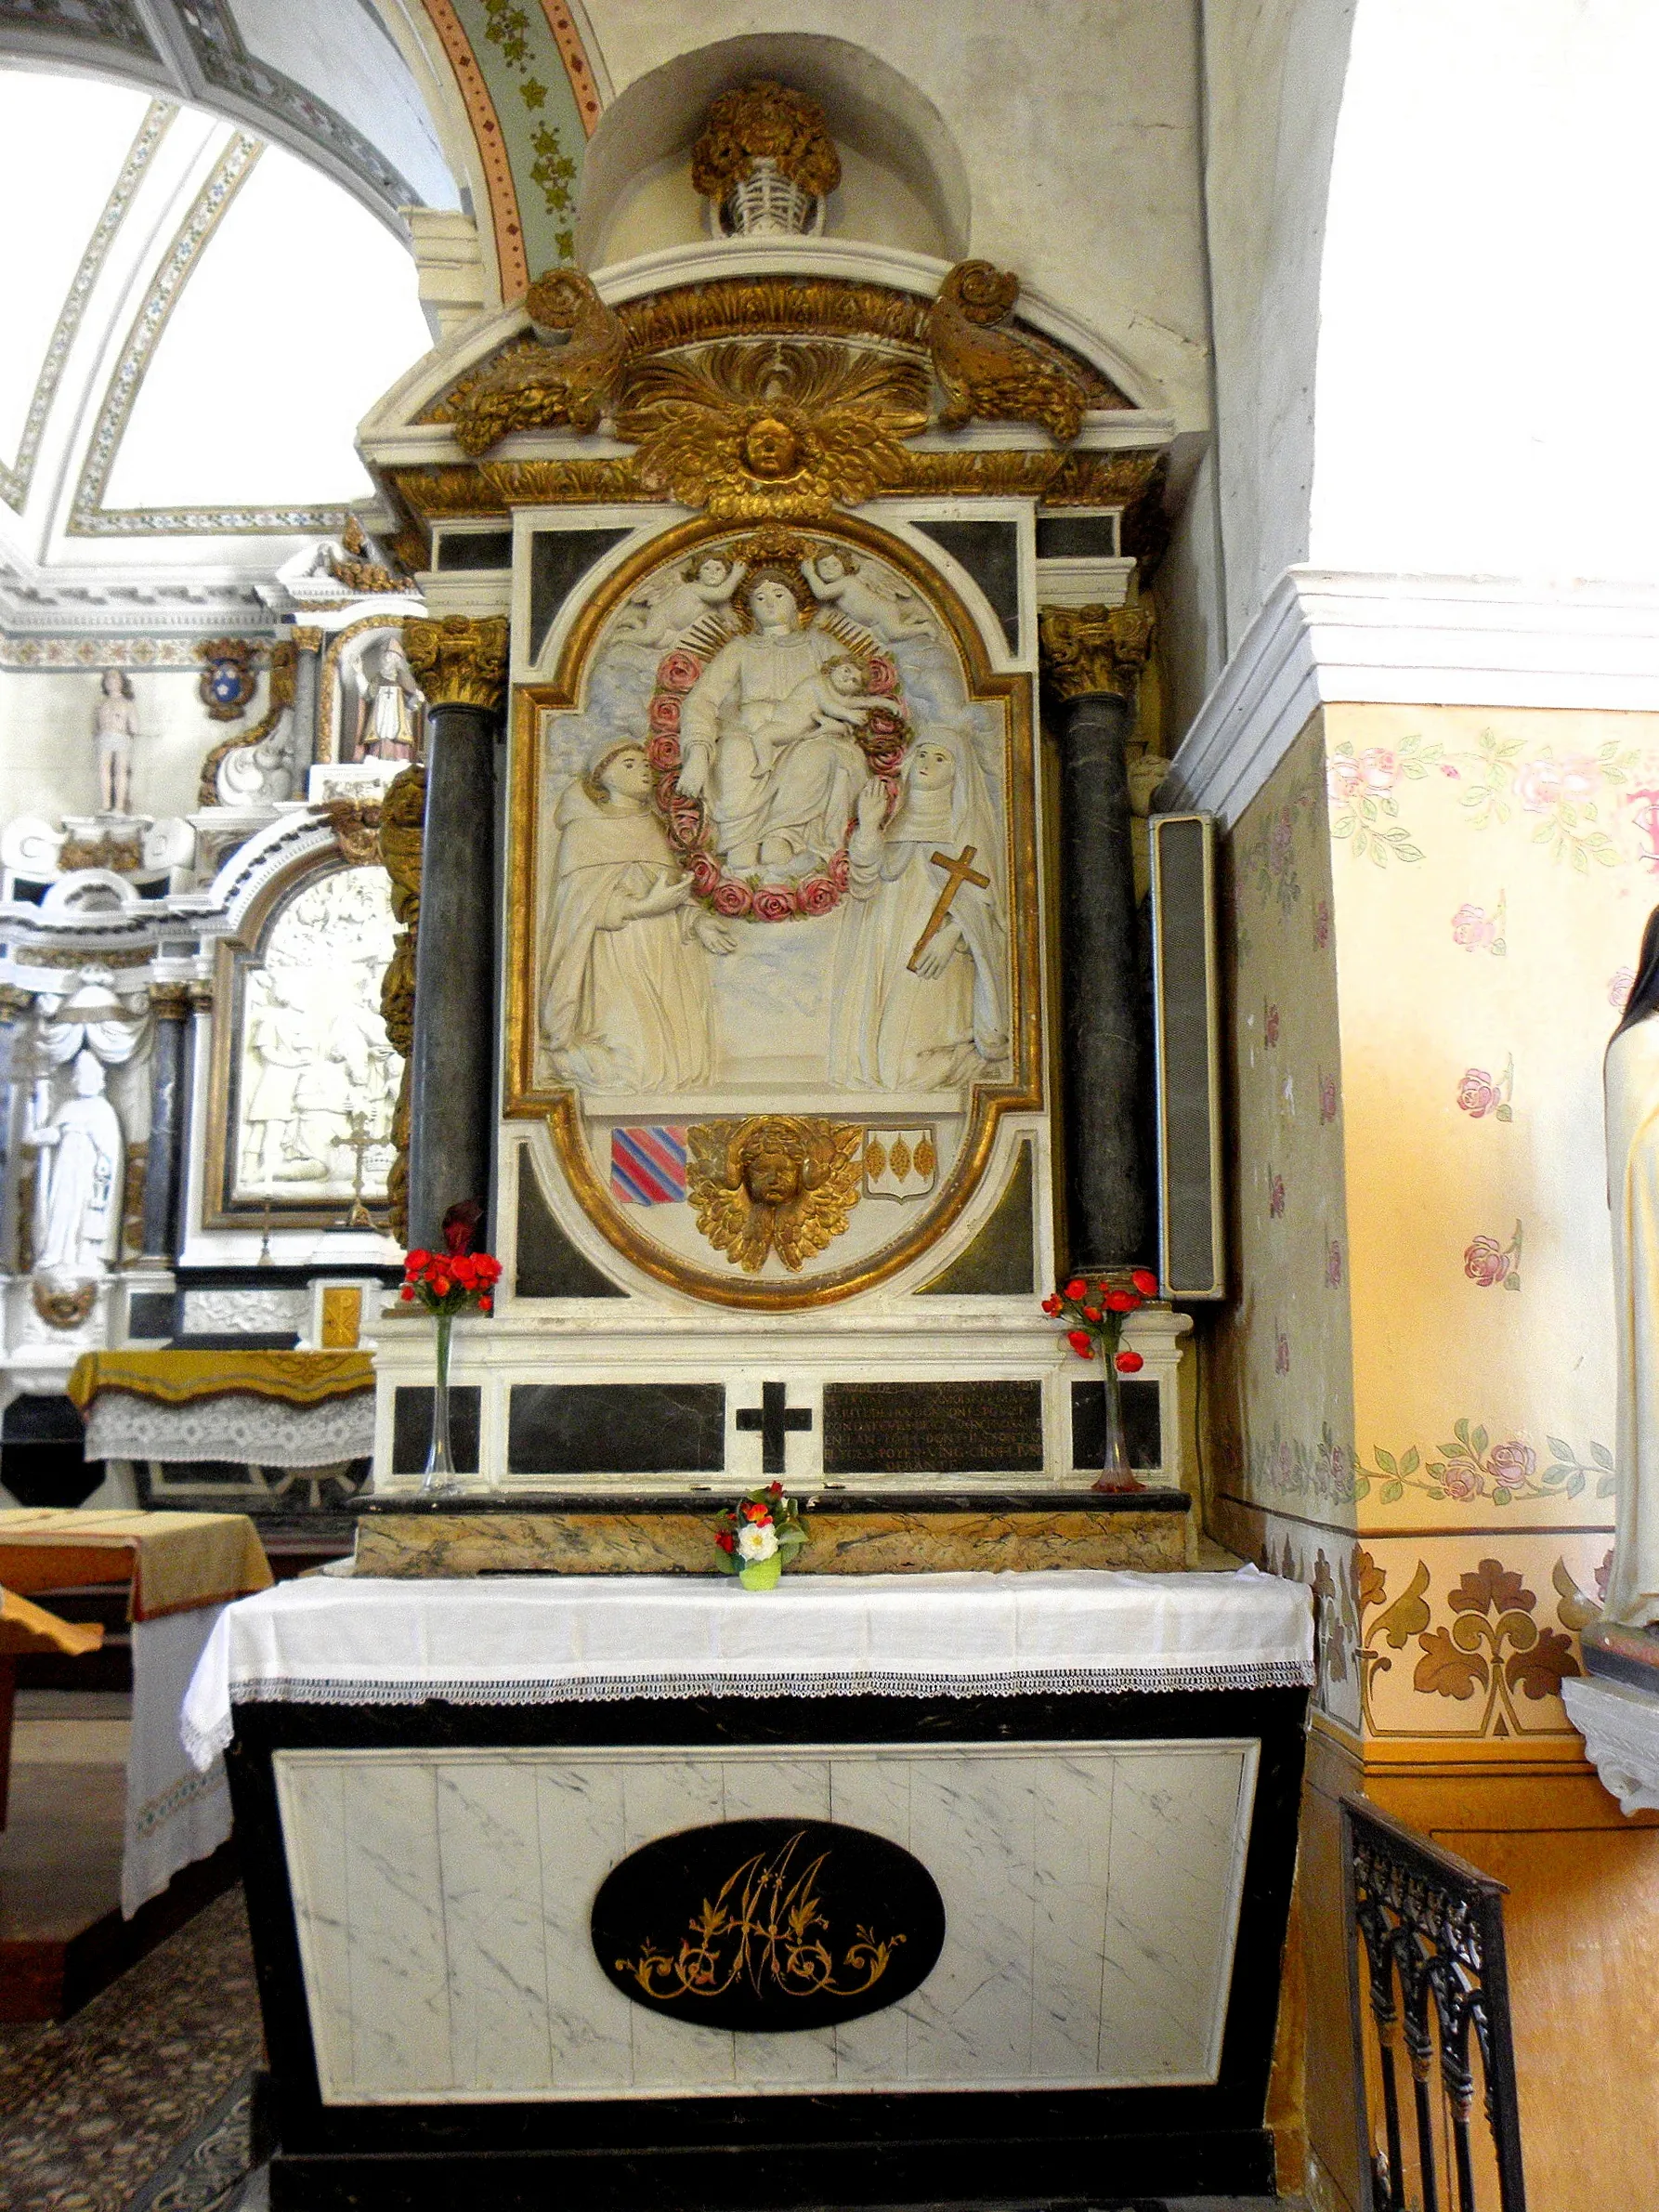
1094, 648
459, 663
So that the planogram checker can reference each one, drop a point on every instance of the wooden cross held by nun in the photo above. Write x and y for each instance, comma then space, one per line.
956, 874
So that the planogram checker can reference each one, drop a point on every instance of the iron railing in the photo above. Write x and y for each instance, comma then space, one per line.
1426, 1932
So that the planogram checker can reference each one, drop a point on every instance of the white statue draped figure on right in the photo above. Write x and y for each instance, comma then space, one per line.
919, 999
1631, 1081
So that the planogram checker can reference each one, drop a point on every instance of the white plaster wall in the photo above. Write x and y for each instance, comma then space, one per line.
1489, 325
1077, 124
47, 765
1274, 74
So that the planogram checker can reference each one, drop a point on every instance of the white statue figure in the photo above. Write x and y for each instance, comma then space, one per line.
278, 1048
626, 1002
396, 702
1630, 1077
883, 606
115, 725
667, 608
791, 817
919, 998
258, 774
79, 1185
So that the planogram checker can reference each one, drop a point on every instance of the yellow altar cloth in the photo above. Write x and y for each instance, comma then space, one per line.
177, 1562
176, 1377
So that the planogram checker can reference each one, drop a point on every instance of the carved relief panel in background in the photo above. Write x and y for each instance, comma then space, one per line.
309, 1076
773, 906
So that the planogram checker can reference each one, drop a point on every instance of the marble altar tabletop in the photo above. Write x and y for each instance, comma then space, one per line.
532, 1639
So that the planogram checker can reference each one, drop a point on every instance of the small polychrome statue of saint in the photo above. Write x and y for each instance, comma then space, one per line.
1631, 1084
919, 997
115, 725
78, 1184
394, 706
626, 1004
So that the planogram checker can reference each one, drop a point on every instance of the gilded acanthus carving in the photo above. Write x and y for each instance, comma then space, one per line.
459, 663
1058, 480
402, 824
994, 374
120, 855
753, 431
535, 387
355, 825
282, 656
775, 1183
352, 563
170, 1001
765, 156
1094, 648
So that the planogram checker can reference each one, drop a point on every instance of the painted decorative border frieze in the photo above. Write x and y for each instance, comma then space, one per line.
15, 481
44, 655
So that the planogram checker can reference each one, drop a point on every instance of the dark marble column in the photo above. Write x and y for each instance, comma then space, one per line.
170, 1004
1091, 658
462, 667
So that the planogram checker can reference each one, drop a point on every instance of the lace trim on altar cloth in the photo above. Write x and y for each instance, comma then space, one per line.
1163, 1677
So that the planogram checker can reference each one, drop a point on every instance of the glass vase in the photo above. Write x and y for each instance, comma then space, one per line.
440, 1475
1116, 1472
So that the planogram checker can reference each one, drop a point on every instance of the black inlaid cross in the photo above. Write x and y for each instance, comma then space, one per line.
773, 1419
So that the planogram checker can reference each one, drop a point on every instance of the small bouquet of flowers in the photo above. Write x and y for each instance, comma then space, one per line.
759, 1537
447, 1283
1094, 1314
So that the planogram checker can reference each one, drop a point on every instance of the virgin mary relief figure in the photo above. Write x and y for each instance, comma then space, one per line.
764, 734
919, 992
626, 1004
1631, 1081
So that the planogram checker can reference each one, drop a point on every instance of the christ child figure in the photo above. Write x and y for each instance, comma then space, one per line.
832, 704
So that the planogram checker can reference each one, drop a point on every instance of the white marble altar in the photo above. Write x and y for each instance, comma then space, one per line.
1092, 1894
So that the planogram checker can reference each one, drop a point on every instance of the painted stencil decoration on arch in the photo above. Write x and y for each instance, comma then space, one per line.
773, 928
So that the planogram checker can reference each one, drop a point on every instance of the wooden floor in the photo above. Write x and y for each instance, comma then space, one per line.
61, 1933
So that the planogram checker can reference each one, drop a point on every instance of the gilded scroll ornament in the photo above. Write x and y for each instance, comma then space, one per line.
401, 829
775, 1183
352, 563
1094, 648
750, 431
459, 663
994, 374
536, 388
282, 655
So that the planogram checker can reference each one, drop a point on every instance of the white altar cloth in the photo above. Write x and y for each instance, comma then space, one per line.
535, 1639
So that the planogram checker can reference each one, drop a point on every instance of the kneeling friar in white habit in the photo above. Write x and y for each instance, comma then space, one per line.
626, 1002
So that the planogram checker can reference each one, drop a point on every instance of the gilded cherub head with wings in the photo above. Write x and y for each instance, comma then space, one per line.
775, 1183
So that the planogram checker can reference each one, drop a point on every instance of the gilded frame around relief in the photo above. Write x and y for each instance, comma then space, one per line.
235, 961
557, 1105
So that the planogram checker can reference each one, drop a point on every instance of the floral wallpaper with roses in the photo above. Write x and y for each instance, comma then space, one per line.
1435, 914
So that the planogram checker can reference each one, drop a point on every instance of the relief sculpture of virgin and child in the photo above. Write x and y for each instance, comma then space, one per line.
777, 839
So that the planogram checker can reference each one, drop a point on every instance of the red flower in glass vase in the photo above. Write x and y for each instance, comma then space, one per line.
1081, 1343
1129, 1363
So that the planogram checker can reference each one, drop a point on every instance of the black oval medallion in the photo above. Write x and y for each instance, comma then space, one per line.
768, 1924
